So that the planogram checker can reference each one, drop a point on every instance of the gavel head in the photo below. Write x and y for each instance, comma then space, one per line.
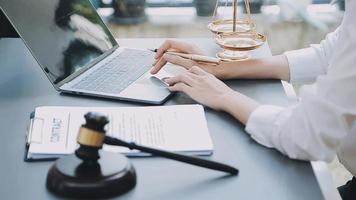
91, 137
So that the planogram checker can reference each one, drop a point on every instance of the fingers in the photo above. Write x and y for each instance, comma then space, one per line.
186, 63
177, 60
172, 44
158, 65
188, 78
197, 70
183, 78
181, 87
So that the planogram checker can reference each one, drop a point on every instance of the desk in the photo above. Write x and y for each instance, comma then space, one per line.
264, 173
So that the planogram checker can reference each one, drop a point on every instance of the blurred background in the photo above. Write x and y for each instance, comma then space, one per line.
288, 24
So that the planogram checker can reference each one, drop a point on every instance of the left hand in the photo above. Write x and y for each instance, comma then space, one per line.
202, 87
163, 58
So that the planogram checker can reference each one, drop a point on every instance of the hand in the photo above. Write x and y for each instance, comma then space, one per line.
202, 87
162, 58
210, 91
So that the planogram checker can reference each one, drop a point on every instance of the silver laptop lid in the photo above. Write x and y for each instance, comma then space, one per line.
64, 36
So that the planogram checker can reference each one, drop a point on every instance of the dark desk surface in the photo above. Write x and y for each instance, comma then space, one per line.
264, 173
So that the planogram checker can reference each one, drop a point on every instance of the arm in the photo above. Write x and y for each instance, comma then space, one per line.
285, 67
305, 65
210, 91
312, 130
298, 66
275, 67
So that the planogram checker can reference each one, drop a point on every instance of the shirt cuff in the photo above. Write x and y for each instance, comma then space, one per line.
261, 125
304, 65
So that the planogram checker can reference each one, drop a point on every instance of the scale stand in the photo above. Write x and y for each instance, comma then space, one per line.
237, 37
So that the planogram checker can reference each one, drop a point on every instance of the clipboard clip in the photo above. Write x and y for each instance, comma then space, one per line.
35, 130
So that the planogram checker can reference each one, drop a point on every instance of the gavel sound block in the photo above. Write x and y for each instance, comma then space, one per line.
91, 173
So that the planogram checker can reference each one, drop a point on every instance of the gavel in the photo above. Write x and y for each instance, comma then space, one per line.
92, 173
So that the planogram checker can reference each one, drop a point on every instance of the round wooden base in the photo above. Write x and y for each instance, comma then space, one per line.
111, 176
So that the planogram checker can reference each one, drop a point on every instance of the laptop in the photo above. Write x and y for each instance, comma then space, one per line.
78, 53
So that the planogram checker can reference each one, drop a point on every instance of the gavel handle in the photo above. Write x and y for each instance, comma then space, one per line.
179, 157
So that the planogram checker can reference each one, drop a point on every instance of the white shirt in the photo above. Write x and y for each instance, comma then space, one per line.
323, 123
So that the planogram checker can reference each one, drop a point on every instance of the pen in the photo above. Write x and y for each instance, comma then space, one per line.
198, 58
174, 156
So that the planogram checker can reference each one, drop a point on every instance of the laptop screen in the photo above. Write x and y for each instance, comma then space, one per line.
63, 35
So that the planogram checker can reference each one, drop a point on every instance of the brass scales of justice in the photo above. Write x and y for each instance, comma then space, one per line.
236, 36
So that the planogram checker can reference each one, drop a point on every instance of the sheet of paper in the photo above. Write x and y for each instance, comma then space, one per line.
174, 128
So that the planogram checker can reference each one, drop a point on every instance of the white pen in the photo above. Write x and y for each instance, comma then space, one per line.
198, 58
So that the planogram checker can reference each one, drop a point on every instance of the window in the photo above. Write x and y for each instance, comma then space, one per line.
189, 3
170, 3
180, 19
321, 1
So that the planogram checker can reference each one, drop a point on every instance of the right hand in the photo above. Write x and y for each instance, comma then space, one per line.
203, 87
183, 47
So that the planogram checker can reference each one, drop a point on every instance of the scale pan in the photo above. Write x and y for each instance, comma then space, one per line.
225, 26
235, 41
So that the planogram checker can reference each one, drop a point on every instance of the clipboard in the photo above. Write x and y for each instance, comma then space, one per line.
37, 137
28, 141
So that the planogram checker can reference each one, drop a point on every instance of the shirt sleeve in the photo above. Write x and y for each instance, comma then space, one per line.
306, 131
315, 128
306, 64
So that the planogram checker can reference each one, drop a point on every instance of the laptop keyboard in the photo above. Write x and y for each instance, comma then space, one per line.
118, 73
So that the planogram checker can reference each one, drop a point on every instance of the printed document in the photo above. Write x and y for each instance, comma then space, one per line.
53, 130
